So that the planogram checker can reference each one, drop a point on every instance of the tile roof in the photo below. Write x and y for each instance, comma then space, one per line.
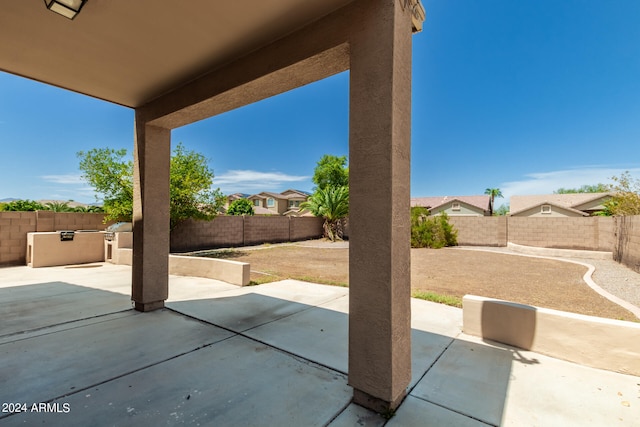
521, 203
294, 194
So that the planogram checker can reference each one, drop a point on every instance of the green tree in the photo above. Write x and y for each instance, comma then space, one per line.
190, 188
88, 209
331, 203
502, 210
23, 206
493, 193
111, 176
596, 188
331, 171
626, 198
58, 207
240, 207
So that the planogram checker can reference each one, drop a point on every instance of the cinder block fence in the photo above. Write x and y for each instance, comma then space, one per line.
231, 231
618, 235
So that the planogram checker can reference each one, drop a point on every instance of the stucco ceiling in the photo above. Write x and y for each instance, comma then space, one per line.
132, 51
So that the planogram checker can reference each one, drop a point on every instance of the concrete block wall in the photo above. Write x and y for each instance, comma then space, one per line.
261, 229
56, 221
606, 233
14, 227
566, 233
480, 230
627, 248
223, 231
233, 231
78, 221
305, 228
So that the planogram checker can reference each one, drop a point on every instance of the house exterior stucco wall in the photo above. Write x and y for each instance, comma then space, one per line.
464, 210
554, 212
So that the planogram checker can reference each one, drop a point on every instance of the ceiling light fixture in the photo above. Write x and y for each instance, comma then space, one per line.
67, 8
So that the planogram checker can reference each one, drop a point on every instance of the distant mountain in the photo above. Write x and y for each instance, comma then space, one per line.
44, 202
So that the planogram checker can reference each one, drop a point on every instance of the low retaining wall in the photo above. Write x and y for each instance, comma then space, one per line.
600, 343
118, 251
234, 272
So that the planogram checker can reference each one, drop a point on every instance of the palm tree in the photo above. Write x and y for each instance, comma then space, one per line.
58, 207
493, 193
331, 203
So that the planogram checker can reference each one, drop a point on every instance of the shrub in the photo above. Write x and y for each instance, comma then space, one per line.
240, 207
23, 206
431, 231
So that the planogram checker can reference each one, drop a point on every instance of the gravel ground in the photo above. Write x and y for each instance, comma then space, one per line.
616, 279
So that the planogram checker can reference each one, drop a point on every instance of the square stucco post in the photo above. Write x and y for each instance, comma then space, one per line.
152, 156
379, 218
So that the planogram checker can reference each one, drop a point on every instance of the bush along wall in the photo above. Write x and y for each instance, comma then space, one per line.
431, 231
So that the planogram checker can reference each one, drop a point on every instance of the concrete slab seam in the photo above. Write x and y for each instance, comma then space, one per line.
76, 391
241, 334
438, 404
340, 411
311, 307
431, 366
30, 331
457, 412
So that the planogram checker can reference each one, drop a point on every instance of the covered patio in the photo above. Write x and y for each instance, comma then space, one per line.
176, 64
112, 345
274, 354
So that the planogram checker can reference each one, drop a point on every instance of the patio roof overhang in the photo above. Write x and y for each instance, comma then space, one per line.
178, 62
132, 52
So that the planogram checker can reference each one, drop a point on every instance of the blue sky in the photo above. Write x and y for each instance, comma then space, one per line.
527, 96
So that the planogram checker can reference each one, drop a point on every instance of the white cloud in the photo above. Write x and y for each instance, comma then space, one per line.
252, 181
548, 182
64, 179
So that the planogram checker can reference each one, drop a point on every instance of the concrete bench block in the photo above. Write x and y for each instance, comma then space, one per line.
234, 272
593, 341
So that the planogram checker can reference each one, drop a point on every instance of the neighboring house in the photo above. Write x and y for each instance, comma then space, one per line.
456, 205
232, 198
558, 205
285, 203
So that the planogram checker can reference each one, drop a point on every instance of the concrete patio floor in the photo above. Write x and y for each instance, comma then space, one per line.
268, 355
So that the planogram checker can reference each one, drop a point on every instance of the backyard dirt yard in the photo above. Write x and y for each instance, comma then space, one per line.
449, 271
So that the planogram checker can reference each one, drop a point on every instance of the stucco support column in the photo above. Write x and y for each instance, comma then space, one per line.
379, 219
152, 154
